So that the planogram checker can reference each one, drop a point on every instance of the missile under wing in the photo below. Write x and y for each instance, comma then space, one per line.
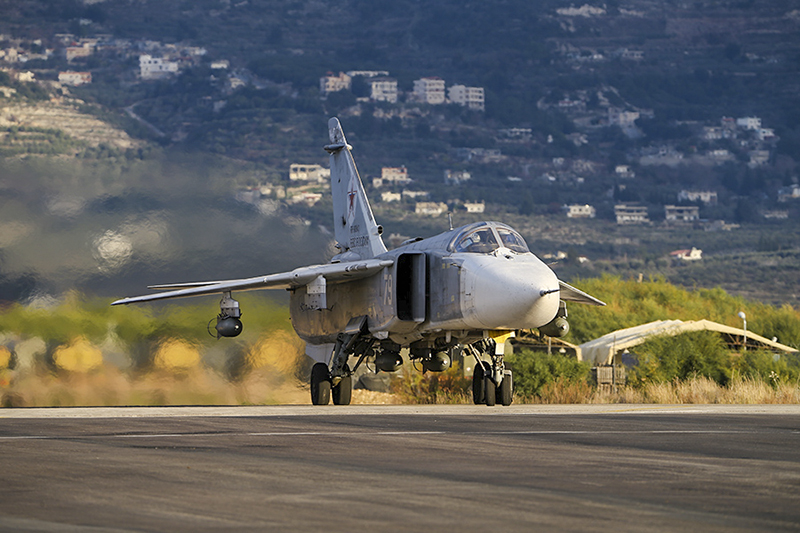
467, 289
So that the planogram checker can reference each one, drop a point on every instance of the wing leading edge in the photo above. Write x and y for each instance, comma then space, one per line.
571, 294
335, 272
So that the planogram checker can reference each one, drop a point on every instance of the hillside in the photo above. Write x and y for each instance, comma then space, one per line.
244, 103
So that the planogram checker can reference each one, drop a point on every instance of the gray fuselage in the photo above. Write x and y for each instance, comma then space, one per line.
455, 284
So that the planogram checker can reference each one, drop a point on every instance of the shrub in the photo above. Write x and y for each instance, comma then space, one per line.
666, 358
771, 368
534, 370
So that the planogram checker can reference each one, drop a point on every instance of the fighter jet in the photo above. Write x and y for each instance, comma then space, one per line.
466, 290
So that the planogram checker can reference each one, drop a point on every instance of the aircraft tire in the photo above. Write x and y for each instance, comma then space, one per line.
343, 392
478, 388
490, 390
320, 384
505, 392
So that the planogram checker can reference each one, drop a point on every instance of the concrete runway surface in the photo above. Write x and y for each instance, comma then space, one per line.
401, 468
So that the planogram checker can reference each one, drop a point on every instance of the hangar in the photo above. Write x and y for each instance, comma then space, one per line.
601, 351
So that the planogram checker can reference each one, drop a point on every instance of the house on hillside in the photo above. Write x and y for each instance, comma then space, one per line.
155, 68
789, 193
693, 254
706, 197
300, 172
383, 90
433, 209
392, 176
681, 213
580, 211
429, 90
631, 214
74, 78
471, 97
475, 207
456, 177
331, 83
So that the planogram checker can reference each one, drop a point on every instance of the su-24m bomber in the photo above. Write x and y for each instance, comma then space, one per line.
467, 289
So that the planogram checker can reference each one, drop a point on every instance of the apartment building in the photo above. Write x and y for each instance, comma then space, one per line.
471, 97
429, 90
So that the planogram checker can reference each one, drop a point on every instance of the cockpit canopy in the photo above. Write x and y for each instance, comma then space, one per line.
486, 237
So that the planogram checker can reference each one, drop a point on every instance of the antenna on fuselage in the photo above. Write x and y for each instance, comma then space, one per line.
450, 219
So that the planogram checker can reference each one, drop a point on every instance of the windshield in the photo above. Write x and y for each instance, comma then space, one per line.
513, 240
479, 241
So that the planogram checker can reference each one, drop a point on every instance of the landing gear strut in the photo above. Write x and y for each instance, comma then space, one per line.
337, 381
491, 382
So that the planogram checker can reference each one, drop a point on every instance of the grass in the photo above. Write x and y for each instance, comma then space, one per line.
109, 386
694, 390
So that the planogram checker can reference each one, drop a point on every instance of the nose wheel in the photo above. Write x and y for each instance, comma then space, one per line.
491, 382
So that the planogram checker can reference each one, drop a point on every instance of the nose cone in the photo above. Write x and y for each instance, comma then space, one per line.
513, 292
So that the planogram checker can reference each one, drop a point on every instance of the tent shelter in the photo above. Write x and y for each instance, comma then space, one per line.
601, 351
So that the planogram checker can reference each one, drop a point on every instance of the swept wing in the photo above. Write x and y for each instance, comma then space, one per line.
571, 294
298, 277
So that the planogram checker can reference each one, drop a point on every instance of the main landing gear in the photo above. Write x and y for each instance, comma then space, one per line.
324, 386
336, 381
491, 382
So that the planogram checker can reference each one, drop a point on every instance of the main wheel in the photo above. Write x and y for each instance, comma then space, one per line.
491, 390
343, 392
320, 384
478, 389
505, 392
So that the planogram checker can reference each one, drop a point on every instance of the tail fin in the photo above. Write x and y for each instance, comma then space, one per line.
356, 231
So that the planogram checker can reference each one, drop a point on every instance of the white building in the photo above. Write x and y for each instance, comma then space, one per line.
707, 197
694, 254
75, 52
580, 211
789, 193
26, 76
332, 84
749, 123
300, 172
475, 207
367, 73
455, 177
776, 214
392, 176
765, 134
74, 78
681, 213
429, 90
624, 171
153, 68
471, 97
623, 119
305, 197
631, 214
415, 194
389, 196
220, 64
383, 90
430, 208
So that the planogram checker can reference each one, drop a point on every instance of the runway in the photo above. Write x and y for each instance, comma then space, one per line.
401, 468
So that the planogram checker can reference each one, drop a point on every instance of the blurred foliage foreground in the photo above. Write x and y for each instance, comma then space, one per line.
84, 352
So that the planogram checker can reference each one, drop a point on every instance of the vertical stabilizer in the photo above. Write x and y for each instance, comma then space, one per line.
358, 235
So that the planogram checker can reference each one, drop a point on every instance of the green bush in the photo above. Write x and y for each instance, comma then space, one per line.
534, 370
770, 367
667, 358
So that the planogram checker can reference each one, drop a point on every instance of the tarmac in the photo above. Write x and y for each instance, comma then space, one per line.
401, 468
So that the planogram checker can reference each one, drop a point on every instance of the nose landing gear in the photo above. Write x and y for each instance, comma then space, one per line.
491, 382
